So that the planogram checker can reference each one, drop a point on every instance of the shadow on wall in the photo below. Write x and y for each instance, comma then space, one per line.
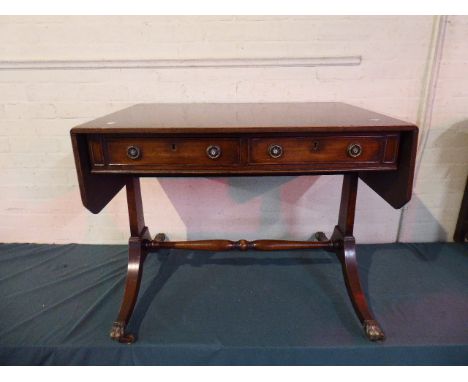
237, 207
420, 222
457, 137
432, 213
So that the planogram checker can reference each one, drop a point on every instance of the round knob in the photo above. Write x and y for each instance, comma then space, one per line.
133, 152
275, 151
213, 152
354, 150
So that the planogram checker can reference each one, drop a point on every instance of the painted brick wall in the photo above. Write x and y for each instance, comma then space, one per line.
443, 168
39, 194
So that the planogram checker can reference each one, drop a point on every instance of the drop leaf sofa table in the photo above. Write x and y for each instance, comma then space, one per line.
244, 139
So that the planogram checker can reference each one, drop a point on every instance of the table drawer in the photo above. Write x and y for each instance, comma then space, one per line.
120, 151
324, 149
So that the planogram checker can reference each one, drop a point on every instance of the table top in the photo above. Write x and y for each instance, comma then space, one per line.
242, 117
206, 122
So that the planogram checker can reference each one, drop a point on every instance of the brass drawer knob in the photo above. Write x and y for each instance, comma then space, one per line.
133, 152
213, 152
275, 151
354, 150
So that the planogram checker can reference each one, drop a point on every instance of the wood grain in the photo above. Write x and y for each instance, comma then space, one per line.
309, 138
240, 245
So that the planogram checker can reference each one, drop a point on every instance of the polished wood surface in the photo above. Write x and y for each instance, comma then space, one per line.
161, 152
319, 149
240, 245
396, 187
345, 245
244, 139
136, 256
173, 140
96, 190
226, 118
242, 154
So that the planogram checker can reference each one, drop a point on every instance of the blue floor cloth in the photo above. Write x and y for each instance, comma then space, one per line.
233, 308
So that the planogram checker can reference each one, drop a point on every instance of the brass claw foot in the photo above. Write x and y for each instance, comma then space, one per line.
373, 330
117, 333
320, 236
117, 330
160, 237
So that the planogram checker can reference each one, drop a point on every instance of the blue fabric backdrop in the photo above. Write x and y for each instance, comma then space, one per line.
196, 308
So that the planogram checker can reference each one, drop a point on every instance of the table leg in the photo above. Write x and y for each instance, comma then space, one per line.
342, 240
136, 258
345, 247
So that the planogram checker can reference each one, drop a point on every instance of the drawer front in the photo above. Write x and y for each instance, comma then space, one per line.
243, 154
322, 149
171, 151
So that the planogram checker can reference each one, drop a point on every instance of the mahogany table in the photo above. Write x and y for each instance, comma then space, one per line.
258, 139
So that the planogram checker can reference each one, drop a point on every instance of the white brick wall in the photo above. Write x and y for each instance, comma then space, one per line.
39, 194
432, 213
